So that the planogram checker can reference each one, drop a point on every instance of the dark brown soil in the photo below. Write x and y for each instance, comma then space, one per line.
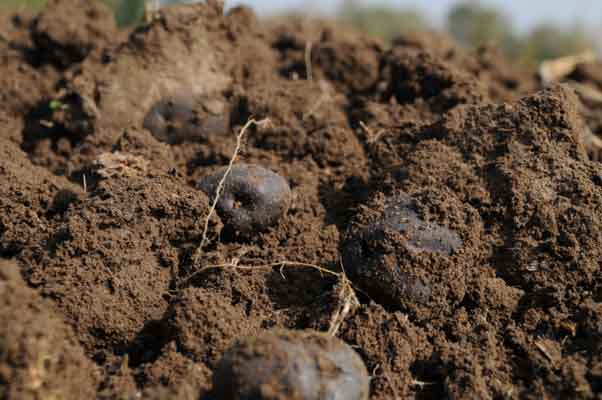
456, 193
39, 354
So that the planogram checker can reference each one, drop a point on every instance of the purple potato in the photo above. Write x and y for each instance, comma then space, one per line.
291, 365
380, 257
253, 197
175, 120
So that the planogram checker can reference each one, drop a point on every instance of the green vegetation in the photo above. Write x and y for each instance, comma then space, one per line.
127, 12
11, 5
55, 105
473, 24
548, 41
382, 21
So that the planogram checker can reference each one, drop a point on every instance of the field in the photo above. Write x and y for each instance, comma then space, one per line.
210, 206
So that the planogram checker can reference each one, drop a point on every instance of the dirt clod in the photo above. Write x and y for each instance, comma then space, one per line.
67, 31
204, 324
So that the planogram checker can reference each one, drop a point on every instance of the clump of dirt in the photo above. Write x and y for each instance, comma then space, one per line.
204, 324
23, 86
307, 122
10, 128
317, 50
504, 80
536, 192
30, 198
586, 80
174, 376
110, 259
391, 346
39, 355
68, 31
443, 213
101, 98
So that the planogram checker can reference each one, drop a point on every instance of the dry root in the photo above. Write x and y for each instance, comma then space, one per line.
347, 298
347, 304
421, 384
325, 97
308, 67
372, 137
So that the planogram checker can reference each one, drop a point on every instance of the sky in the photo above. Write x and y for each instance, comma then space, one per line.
524, 13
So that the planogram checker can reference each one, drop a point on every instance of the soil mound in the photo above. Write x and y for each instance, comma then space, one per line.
444, 214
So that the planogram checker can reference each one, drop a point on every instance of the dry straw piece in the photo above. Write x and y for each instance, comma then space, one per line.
554, 70
151, 8
372, 137
347, 298
308, 66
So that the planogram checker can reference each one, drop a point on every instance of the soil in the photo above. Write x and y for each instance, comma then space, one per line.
461, 198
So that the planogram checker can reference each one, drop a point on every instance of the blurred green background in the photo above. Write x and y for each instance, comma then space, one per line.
127, 12
470, 22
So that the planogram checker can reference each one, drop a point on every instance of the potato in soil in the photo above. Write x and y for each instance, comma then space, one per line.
253, 197
399, 259
296, 365
182, 118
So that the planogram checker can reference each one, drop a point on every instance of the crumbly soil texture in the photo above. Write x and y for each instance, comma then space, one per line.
440, 209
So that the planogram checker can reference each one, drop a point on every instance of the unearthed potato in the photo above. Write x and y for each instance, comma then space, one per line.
421, 236
171, 120
387, 255
291, 365
253, 197
177, 119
